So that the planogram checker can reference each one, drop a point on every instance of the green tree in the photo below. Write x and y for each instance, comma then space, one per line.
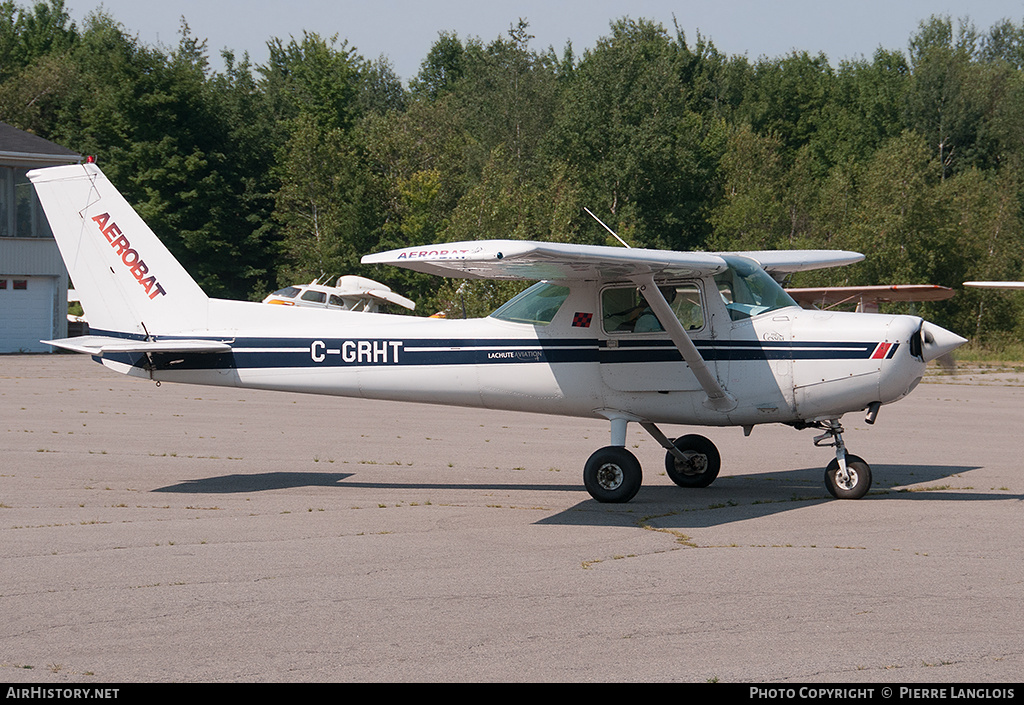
443, 67
420, 161
506, 100
944, 104
322, 204
751, 214
1004, 42
989, 245
645, 160
867, 107
788, 98
28, 35
312, 77
901, 222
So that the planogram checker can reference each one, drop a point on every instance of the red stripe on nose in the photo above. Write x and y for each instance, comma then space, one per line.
880, 351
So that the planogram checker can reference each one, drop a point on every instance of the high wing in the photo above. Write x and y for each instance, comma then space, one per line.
524, 259
780, 263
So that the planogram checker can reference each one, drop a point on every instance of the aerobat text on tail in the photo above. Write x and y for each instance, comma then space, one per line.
626, 335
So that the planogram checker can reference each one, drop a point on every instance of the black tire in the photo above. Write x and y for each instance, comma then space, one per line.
703, 466
859, 483
613, 475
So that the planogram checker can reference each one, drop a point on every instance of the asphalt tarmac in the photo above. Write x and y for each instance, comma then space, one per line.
199, 534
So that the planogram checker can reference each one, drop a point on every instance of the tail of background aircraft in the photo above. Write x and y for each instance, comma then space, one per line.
129, 283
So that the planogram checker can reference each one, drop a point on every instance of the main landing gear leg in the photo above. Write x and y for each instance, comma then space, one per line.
848, 476
691, 460
613, 474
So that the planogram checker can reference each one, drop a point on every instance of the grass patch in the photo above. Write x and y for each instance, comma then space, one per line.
1004, 352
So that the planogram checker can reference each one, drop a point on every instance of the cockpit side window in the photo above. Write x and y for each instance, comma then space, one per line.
536, 306
288, 292
625, 310
748, 290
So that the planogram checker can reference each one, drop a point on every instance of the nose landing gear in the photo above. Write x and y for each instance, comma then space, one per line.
847, 476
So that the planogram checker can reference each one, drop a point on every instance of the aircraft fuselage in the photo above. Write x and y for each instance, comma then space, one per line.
786, 365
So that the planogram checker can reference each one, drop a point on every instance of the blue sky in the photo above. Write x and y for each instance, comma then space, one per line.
404, 30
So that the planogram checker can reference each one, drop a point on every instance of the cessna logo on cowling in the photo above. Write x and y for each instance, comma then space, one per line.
130, 257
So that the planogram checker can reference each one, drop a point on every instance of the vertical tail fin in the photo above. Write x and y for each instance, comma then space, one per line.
127, 280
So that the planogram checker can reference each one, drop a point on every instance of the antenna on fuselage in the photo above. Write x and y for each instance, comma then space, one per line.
614, 234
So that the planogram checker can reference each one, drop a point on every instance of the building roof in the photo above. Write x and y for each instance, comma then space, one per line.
20, 148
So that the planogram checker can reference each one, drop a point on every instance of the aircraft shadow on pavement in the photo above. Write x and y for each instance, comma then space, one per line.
260, 482
227, 484
742, 497
731, 498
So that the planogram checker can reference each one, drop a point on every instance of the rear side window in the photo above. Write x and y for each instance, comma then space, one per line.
537, 305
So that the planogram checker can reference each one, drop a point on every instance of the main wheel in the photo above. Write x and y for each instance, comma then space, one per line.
612, 474
702, 462
858, 483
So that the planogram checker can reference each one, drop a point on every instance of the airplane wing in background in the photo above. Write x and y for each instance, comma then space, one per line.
995, 285
868, 297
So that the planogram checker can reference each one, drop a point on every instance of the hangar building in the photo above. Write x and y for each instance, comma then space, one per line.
33, 280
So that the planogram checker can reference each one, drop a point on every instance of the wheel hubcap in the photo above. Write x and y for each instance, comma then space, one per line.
609, 476
696, 463
851, 479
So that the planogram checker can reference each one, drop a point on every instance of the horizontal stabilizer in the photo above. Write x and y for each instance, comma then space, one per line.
101, 345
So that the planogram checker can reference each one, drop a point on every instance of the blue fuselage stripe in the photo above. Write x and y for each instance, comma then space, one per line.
307, 352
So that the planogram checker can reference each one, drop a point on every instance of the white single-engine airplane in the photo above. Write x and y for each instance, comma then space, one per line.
628, 335
349, 293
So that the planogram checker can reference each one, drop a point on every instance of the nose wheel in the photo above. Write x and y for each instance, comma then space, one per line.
853, 484
847, 476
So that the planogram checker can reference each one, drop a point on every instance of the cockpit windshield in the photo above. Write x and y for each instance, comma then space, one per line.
289, 292
748, 290
537, 305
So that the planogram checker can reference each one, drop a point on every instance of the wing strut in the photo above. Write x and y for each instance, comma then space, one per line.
719, 398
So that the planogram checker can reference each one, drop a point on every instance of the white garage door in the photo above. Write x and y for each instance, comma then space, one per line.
26, 313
